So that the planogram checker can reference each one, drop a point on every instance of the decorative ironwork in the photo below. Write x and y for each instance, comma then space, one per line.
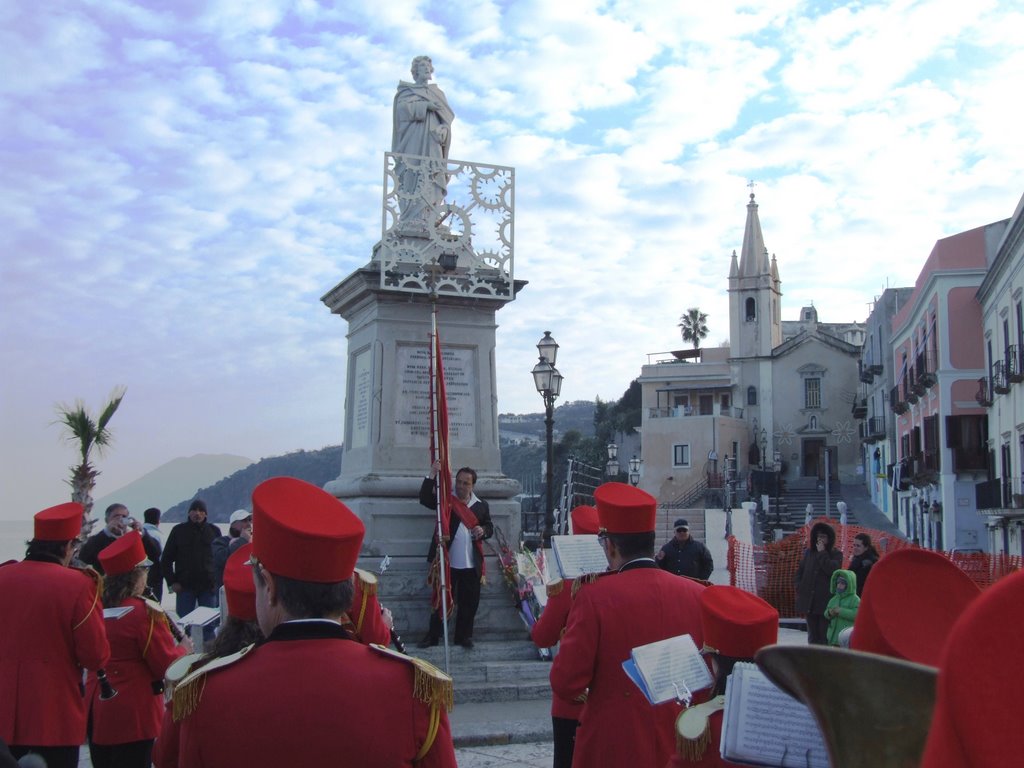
984, 394
461, 244
1000, 384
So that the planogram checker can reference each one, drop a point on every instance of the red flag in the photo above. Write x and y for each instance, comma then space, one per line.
439, 452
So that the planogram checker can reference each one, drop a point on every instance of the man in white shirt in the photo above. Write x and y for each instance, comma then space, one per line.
465, 553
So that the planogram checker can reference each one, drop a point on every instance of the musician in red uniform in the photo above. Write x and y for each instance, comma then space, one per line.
640, 604
547, 632
311, 694
52, 621
122, 729
736, 624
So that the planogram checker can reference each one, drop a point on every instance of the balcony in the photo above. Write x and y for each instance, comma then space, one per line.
896, 402
860, 408
984, 393
876, 368
999, 496
876, 428
1014, 372
1000, 383
866, 375
925, 368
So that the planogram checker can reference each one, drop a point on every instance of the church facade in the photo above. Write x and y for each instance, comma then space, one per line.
779, 397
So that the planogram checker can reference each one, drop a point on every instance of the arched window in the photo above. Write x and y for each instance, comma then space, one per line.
751, 306
751, 395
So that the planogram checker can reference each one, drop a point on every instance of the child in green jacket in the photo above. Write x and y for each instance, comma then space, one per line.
842, 608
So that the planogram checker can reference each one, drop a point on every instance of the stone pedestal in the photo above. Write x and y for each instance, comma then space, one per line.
386, 436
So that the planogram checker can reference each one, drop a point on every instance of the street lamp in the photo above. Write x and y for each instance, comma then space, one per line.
634, 471
548, 381
612, 467
764, 448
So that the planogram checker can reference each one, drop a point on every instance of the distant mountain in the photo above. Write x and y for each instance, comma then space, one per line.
235, 492
171, 482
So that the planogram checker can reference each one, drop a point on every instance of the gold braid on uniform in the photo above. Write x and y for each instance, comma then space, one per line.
93, 574
155, 612
580, 581
693, 729
368, 586
189, 691
429, 685
555, 588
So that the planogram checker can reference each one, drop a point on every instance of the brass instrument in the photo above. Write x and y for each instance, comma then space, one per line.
873, 711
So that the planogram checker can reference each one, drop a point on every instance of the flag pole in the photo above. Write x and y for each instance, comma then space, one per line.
435, 353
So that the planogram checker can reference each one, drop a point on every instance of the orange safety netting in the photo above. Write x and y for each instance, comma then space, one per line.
769, 570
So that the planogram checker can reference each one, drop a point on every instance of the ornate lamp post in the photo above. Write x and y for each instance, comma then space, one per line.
612, 467
764, 448
548, 381
634, 471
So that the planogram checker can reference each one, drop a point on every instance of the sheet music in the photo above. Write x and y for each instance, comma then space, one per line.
577, 555
118, 612
763, 725
671, 669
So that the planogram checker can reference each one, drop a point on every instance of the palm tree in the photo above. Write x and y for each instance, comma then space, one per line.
80, 428
694, 325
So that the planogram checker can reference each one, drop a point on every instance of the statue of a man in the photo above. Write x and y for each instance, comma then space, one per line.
422, 127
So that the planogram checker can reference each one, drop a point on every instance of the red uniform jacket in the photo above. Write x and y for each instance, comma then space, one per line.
307, 694
639, 605
548, 631
141, 649
52, 626
365, 619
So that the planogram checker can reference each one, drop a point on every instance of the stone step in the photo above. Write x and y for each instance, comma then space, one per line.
476, 724
493, 671
523, 690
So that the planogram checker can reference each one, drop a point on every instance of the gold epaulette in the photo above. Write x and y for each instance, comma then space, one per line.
178, 669
587, 578
431, 686
555, 588
189, 692
97, 578
693, 729
367, 580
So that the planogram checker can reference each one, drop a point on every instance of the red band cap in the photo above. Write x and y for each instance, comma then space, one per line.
302, 532
737, 623
124, 554
584, 520
909, 606
239, 588
622, 508
60, 523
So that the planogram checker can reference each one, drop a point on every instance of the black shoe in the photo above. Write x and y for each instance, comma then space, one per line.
427, 642
467, 643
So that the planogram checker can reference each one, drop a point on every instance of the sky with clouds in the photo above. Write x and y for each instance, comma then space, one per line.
181, 182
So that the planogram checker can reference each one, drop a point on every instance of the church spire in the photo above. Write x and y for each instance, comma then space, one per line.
753, 254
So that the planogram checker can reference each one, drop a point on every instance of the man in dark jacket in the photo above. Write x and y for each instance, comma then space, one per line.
465, 556
187, 560
813, 578
683, 555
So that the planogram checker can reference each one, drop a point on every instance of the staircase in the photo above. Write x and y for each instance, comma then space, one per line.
793, 507
502, 693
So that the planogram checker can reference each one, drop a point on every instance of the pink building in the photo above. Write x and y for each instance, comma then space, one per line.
938, 358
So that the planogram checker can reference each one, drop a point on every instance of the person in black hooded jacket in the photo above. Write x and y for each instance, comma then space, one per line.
813, 577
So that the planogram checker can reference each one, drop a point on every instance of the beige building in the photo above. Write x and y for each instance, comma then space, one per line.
786, 386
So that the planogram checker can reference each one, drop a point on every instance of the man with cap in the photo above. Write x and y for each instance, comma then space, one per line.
547, 632
52, 621
239, 533
640, 604
312, 690
736, 624
683, 555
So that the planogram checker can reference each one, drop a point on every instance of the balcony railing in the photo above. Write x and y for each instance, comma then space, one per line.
999, 495
1000, 382
685, 411
860, 408
926, 369
896, 401
984, 393
876, 428
1013, 365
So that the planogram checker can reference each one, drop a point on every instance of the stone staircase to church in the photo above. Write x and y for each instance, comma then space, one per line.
793, 508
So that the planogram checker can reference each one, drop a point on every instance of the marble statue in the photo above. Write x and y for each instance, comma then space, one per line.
422, 128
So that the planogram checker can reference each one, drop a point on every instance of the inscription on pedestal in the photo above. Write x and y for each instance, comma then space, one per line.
412, 406
362, 382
